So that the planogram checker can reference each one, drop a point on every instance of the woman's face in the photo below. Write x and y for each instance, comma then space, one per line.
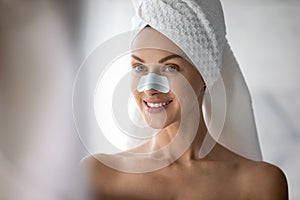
163, 109
185, 82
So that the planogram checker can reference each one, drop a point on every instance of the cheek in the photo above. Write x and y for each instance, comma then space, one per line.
183, 91
197, 86
134, 83
136, 95
196, 82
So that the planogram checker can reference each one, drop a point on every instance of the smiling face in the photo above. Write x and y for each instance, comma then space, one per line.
165, 59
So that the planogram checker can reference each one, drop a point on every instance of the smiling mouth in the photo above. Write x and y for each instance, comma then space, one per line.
158, 105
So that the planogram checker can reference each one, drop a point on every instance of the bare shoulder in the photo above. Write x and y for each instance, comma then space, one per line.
90, 163
255, 180
261, 180
98, 176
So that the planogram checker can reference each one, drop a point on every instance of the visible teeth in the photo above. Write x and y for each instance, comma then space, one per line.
156, 105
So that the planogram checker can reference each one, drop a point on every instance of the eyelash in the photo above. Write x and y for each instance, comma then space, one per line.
175, 67
166, 67
135, 67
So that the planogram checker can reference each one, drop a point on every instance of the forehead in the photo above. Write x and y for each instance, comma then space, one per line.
153, 55
149, 40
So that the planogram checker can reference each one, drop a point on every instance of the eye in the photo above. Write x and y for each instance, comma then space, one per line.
139, 68
171, 68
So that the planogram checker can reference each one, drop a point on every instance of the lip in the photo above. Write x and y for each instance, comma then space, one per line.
157, 100
154, 101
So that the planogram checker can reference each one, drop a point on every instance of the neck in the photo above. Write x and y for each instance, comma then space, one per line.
187, 138
192, 152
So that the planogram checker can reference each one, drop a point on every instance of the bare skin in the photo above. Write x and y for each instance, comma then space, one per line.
221, 174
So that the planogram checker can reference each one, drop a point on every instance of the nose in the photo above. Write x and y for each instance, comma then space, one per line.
151, 92
155, 82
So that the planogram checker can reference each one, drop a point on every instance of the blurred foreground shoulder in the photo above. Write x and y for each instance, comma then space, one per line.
261, 180
99, 178
88, 161
93, 165
90, 167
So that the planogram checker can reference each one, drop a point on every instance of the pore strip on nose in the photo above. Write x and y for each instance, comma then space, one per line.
153, 81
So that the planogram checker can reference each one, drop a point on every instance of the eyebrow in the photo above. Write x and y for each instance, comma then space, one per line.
161, 60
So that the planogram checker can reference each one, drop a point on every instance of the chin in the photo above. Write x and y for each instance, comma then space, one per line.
160, 122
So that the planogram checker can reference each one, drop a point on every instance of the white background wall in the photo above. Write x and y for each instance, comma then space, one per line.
265, 37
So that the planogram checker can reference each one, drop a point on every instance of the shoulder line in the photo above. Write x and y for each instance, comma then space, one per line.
262, 180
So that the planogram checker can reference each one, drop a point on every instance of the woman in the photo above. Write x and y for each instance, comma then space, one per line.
179, 55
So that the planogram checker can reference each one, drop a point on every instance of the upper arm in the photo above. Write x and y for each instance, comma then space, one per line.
265, 181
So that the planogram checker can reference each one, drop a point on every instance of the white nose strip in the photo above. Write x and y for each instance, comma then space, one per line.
153, 81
